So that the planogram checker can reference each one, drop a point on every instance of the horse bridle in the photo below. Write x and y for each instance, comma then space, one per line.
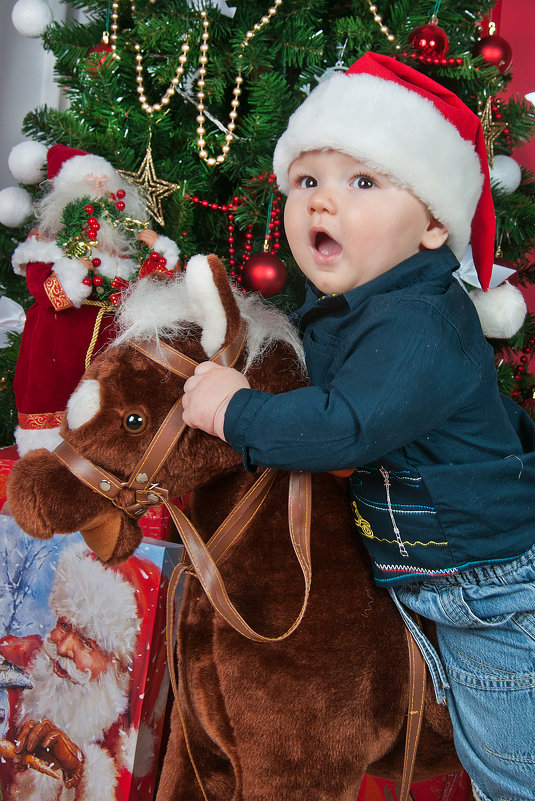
141, 479
200, 557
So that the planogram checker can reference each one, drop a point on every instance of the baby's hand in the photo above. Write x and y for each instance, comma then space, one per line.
207, 394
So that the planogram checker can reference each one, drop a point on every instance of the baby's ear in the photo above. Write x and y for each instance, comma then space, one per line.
434, 235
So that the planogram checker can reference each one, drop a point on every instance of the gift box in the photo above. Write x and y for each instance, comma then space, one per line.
8, 457
452, 787
83, 645
155, 522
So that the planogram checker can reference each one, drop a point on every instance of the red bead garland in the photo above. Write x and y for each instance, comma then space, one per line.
521, 370
441, 61
273, 229
497, 115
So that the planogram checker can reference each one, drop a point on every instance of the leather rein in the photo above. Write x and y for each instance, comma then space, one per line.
201, 558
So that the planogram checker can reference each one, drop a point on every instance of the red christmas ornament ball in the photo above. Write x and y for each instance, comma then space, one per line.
100, 56
495, 50
429, 40
264, 273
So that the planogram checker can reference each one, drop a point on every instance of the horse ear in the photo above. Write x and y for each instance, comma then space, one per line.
213, 302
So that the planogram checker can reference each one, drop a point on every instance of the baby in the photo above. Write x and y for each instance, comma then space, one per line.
387, 181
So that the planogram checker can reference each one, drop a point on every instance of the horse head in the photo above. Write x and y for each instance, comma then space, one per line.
116, 411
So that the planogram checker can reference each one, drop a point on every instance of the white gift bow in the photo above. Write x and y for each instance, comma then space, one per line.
12, 317
467, 272
220, 4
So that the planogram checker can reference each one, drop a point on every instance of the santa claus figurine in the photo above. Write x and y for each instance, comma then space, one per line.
69, 323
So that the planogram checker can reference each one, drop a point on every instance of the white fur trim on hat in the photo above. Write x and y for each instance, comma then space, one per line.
34, 250
97, 600
86, 169
396, 132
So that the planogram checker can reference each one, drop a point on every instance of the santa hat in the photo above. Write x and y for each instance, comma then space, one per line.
57, 156
405, 125
68, 165
73, 174
110, 605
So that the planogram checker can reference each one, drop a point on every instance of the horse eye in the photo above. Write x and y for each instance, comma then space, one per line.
135, 421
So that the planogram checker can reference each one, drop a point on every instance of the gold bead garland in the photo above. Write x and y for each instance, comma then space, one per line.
169, 92
379, 20
203, 60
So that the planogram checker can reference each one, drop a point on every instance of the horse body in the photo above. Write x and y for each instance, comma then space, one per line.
302, 718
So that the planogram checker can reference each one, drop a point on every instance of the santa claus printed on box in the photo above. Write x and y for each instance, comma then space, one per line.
61, 325
93, 721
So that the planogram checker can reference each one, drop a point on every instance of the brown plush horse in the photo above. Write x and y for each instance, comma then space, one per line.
302, 718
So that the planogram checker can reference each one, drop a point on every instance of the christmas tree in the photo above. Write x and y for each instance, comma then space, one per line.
188, 98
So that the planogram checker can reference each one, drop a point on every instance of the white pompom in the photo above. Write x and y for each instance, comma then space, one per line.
16, 205
30, 17
27, 161
501, 310
505, 174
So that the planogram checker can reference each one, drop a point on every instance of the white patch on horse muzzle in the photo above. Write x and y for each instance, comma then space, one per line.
83, 404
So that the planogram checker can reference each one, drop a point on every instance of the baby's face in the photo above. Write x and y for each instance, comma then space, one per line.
346, 223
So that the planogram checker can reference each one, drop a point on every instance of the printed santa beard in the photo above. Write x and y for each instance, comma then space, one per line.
83, 710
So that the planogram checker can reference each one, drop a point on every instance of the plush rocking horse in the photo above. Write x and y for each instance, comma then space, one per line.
299, 717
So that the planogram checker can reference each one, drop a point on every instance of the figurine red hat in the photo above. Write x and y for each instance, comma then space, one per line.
58, 155
404, 124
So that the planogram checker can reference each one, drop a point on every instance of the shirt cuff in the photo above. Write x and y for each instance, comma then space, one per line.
239, 419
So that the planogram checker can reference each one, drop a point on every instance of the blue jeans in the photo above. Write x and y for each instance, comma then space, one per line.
485, 624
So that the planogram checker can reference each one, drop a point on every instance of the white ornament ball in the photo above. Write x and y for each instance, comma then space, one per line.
30, 17
16, 205
505, 174
27, 161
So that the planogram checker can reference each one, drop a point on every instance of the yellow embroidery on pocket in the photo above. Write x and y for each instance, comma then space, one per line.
362, 523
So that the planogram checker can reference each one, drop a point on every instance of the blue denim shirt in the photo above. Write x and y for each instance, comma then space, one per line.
404, 390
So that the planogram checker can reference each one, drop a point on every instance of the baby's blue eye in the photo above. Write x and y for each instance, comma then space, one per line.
307, 182
363, 182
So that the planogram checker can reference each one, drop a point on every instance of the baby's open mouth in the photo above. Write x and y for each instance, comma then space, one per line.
326, 245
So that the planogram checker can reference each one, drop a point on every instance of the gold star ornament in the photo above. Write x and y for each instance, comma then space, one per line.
491, 129
155, 189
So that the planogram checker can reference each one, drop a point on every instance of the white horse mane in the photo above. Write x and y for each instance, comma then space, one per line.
157, 310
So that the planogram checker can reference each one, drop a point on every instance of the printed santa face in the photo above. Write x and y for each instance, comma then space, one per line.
83, 702
83, 653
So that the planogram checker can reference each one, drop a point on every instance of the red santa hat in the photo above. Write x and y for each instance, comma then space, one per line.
409, 127
75, 173
58, 155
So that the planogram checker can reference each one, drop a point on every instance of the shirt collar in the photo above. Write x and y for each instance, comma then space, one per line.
427, 265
